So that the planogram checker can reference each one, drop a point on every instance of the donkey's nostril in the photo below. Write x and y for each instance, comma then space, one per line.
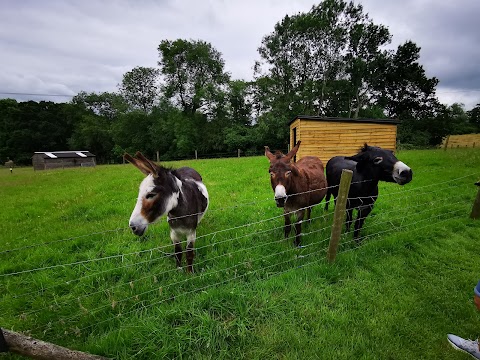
407, 175
280, 201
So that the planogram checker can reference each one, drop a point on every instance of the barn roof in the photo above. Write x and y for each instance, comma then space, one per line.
339, 119
65, 154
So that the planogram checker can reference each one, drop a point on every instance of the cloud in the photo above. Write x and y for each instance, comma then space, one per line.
448, 33
70, 46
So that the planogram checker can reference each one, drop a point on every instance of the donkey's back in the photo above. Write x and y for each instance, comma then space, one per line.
185, 173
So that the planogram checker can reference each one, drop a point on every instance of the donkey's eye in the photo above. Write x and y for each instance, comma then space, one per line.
150, 195
272, 174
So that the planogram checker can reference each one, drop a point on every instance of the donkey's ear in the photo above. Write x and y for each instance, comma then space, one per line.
269, 154
292, 153
139, 164
147, 161
358, 158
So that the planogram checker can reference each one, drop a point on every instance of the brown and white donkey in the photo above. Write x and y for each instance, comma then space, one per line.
178, 193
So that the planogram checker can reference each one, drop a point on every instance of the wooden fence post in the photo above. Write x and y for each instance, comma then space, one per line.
37, 349
196, 155
339, 213
476, 204
158, 156
446, 142
238, 152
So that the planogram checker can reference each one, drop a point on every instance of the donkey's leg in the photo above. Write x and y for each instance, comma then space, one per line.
309, 213
363, 212
288, 224
327, 199
298, 227
190, 250
176, 239
348, 219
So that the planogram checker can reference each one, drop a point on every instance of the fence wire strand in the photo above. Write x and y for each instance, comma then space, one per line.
300, 254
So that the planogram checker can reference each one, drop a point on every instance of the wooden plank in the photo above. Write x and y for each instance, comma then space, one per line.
346, 135
327, 135
349, 140
339, 125
388, 145
37, 349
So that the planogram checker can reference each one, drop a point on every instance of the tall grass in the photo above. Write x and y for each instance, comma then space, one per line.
71, 272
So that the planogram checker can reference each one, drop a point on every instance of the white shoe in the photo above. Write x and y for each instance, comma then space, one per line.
468, 346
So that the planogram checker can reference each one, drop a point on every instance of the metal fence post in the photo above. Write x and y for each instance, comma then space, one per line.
339, 214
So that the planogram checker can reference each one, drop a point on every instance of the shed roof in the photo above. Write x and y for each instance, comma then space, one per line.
65, 154
339, 119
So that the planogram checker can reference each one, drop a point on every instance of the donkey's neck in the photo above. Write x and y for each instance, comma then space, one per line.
176, 196
368, 177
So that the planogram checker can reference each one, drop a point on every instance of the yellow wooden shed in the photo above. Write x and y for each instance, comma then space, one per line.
327, 137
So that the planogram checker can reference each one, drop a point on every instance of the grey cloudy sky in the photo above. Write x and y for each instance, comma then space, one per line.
64, 47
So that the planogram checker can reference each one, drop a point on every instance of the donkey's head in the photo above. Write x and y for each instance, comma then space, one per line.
282, 172
158, 194
384, 163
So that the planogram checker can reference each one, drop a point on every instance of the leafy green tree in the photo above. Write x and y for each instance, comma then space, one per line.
162, 129
9, 115
106, 104
130, 131
332, 61
93, 133
430, 131
304, 57
31, 126
140, 88
406, 91
193, 73
364, 58
474, 115
93, 130
240, 102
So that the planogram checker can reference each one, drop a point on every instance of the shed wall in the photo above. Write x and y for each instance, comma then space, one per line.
326, 139
458, 141
39, 163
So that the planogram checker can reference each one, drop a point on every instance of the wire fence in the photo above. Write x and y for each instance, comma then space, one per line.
69, 298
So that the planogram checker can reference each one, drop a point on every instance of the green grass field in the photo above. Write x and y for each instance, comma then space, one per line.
72, 273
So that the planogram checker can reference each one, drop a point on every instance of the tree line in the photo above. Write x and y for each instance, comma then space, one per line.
330, 61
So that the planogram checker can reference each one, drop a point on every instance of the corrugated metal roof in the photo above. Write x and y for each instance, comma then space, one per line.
64, 154
339, 119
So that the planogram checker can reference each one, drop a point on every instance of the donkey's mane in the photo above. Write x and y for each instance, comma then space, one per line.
279, 154
365, 147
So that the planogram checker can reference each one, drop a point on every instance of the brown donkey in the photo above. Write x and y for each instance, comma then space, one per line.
297, 186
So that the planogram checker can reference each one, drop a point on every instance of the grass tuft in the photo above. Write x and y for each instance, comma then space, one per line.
86, 282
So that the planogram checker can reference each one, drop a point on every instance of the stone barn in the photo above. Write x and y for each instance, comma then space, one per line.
43, 160
327, 137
